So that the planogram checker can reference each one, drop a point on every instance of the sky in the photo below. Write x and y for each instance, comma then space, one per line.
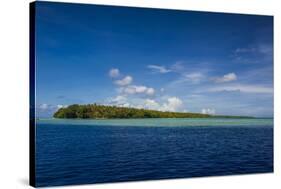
167, 60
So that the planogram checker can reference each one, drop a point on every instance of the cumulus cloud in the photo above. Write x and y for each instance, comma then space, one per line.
208, 111
159, 69
138, 89
61, 106
150, 91
125, 81
47, 110
114, 72
225, 78
125, 85
173, 104
119, 100
50, 107
151, 104
126, 88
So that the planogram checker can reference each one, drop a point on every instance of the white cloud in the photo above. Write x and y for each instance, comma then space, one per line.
150, 91
138, 89
226, 78
242, 88
260, 48
50, 107
208, 111
194, 77
43, 106
114, 72
125, 81
118, 100
173, 104
126, 87
61, 106
129, 90
151, 104
127, 105
178, 67
159, 69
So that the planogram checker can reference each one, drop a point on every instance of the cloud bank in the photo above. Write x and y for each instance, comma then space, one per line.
125, 81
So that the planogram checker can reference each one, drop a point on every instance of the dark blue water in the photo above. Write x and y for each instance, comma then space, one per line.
81, 154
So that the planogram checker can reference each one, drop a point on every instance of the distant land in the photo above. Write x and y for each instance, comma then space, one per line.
95, 111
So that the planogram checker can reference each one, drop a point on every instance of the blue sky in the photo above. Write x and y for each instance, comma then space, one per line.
151, 58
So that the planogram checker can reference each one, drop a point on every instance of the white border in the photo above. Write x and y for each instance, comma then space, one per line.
14, 93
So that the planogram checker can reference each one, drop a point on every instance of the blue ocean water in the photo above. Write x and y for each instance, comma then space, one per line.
97, 151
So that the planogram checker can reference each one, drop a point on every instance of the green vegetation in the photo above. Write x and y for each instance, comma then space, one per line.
94, 111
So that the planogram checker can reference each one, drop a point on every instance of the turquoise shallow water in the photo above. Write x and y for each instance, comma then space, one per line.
173, 122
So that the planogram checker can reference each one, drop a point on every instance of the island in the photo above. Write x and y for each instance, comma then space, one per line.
96, 111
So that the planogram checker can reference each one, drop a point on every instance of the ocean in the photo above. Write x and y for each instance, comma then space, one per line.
70, 152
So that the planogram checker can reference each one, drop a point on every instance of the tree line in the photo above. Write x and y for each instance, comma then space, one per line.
95, 111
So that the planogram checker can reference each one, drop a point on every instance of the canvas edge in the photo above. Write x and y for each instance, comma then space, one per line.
69, 2
32, 180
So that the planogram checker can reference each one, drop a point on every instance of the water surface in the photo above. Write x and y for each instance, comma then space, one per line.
156, 122
97, 151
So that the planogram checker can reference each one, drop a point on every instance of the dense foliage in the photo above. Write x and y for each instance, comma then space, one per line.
95, 111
